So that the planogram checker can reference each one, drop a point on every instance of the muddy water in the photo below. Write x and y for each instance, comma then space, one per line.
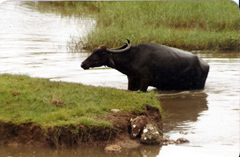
210, 116
35, 44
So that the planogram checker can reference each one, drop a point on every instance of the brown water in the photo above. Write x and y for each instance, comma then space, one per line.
35, 44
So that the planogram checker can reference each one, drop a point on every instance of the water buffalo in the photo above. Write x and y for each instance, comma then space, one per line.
152, 65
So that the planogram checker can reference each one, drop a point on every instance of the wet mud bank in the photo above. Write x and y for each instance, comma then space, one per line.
31, 134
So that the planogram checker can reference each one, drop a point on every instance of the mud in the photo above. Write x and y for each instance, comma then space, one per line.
31, 134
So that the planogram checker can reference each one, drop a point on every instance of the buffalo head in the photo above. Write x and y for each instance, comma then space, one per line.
103, 56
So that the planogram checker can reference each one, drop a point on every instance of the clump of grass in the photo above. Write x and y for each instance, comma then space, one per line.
68, 8
49, 104
188, 25
191, 25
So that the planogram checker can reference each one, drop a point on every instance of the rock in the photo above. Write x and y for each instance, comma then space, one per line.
182, 140
150, 135
137, 125
186, 133
113, 149
166, 141
115, 110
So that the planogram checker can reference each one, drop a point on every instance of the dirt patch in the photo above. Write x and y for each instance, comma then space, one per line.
24, 133
65, 136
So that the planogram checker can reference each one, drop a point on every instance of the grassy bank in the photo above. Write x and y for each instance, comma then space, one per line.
49, 104
202, 25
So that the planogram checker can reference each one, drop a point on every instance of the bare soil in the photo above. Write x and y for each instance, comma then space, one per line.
68, 136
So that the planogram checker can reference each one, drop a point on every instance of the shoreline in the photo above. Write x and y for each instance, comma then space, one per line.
30, 134
43, 113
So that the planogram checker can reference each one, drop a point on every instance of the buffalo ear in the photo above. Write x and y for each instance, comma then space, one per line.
102, 47
111, 62
110, 59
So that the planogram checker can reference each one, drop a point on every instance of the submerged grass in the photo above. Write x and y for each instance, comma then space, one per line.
192, 25
49, 104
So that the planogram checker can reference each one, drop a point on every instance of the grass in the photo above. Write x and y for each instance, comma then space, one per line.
49, 104
67, 8
192, 25
201, 25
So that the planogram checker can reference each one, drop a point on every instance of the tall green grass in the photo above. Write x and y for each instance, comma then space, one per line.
40, 101
188, 25
192, 25
67, 8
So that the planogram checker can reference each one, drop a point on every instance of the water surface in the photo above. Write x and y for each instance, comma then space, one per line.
37, 44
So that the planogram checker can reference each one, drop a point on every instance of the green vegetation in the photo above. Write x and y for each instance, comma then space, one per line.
49, 104
192, 25
186, 25
67, 8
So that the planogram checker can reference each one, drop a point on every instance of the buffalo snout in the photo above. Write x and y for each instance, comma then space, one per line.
84, 66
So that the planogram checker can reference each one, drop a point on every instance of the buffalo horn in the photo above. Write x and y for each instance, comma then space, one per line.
120, 50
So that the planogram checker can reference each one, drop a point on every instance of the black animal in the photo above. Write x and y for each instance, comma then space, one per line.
152, 65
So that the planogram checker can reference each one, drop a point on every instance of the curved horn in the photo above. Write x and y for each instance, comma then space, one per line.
121, 49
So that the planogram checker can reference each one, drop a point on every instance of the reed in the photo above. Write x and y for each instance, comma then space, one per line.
191, 25
201, 25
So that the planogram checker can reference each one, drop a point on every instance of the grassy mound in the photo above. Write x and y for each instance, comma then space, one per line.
49, 104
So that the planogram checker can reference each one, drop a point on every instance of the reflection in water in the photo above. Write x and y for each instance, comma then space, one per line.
35, 44
215, 121
146, 151
182, 107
